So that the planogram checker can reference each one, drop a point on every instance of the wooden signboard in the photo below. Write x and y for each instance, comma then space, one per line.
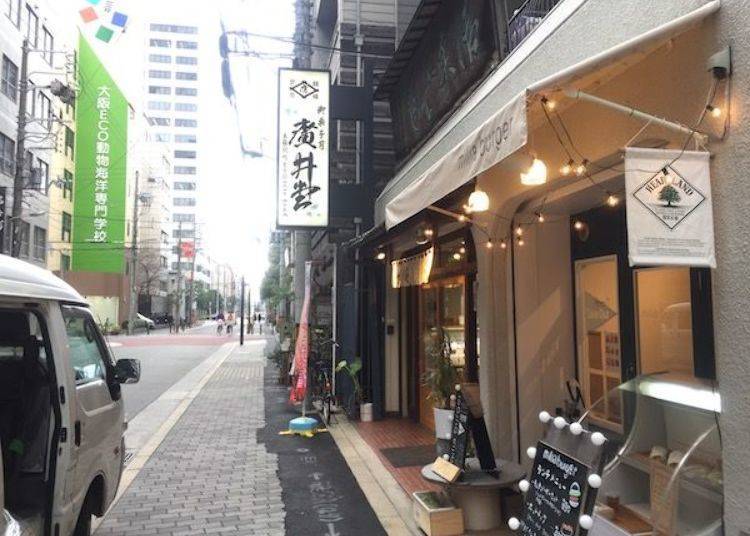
558, 494
468, 419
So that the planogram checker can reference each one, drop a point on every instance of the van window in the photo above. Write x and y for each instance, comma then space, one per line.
86, 355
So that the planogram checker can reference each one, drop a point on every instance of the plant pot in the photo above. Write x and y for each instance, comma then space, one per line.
365, 412
443, 423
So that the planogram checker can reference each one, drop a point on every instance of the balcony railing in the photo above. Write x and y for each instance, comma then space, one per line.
526, 19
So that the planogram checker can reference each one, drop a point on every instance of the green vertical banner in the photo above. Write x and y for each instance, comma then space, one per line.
100, 183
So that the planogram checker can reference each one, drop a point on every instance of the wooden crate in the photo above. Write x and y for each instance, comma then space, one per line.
436, 515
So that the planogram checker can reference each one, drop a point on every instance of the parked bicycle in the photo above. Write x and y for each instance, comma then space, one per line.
320, 374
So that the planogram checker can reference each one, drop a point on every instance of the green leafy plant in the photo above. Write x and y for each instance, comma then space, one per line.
441, 376
352, 370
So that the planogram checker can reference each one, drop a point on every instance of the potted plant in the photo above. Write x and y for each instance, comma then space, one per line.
440, 378
355, 399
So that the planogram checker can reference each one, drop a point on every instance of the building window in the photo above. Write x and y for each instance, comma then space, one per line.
40, 244
163, 136
186, 76
184, 186
185, 107
184, 201
160, 90
9, 79
160, 43
67, 226
64, 262
32, 26
24, 232
183, 218
186, 60
161, 121
184, 170
159, 74
67, 185
186, 91
184, 154
48, 45
13, 12
159, 58
185, 123
186, 138
7, 154
44, 108
184, 233
159, 105
188, 45
172, 28
41, 176
70, 140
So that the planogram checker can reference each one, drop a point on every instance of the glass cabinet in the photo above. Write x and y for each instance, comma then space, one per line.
665, 473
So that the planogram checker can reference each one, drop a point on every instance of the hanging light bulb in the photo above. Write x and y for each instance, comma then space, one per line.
521, 241
479, 201
715, 111
519, 231
578, 225
581, 168
380, 256
503, 245
540, 217
461, 218
489, 243
612, 200
456, 256
566, 169
462, 250
536, 174
550, 104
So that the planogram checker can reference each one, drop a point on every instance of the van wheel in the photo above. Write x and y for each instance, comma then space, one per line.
83, 525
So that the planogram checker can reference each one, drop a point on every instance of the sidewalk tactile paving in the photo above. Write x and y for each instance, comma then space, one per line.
210, 475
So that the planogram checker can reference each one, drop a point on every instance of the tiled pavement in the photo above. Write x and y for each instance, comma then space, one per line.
399, 433
210, 475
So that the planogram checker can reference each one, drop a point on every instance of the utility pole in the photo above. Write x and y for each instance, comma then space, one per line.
178, 299
18, 179
133, 309
242, 311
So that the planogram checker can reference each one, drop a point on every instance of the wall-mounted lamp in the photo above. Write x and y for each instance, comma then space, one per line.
536, 174
479, 201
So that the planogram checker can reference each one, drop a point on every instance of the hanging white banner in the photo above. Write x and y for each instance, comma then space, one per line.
302, 166
669, 209
411, 271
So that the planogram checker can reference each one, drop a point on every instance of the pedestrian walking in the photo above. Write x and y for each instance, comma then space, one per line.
170, 323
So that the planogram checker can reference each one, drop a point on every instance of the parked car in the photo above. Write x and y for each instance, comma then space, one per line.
141, 322
61, 408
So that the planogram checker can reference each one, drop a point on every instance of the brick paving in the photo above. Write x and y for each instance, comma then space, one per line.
210, 475
390, 433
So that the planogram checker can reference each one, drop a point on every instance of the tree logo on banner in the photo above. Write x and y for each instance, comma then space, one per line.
669, 196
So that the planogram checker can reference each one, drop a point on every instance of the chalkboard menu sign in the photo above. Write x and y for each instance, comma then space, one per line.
557, 494
459, 432
454, 52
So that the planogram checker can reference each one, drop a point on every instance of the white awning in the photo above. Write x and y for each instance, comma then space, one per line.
506, 131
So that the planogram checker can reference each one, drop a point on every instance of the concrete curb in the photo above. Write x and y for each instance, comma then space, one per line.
186, 398
386, 497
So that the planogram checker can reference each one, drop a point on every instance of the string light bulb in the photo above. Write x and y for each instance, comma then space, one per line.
519, 231
578, 225
479, 201
456, 256
715, 111
489, 244
380, 256
461, 218
503, 245
613, 200
540, 217
566, 169
521, 241
536, 174
462, 250
581, 168
550, 104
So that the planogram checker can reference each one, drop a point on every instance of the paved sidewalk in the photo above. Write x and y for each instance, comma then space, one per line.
209, 475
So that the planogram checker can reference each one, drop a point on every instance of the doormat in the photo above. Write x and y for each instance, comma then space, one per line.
410, 456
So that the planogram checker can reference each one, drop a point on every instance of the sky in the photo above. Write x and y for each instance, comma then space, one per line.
236, 204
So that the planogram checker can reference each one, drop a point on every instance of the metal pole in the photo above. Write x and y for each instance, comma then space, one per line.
242, 312
191, 298
178, 298
18, 179
133, 305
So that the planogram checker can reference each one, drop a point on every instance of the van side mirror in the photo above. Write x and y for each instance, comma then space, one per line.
127, 370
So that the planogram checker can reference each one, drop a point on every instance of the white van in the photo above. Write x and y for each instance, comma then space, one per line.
61, 411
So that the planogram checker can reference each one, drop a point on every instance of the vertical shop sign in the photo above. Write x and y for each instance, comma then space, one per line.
302, 149
101, 147
669, 212
2, 218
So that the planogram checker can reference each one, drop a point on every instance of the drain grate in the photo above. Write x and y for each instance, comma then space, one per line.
129, 454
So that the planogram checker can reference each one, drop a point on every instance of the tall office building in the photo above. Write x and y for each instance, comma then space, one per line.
171, 100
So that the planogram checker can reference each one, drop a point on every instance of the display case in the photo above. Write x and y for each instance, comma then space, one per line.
665, 474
